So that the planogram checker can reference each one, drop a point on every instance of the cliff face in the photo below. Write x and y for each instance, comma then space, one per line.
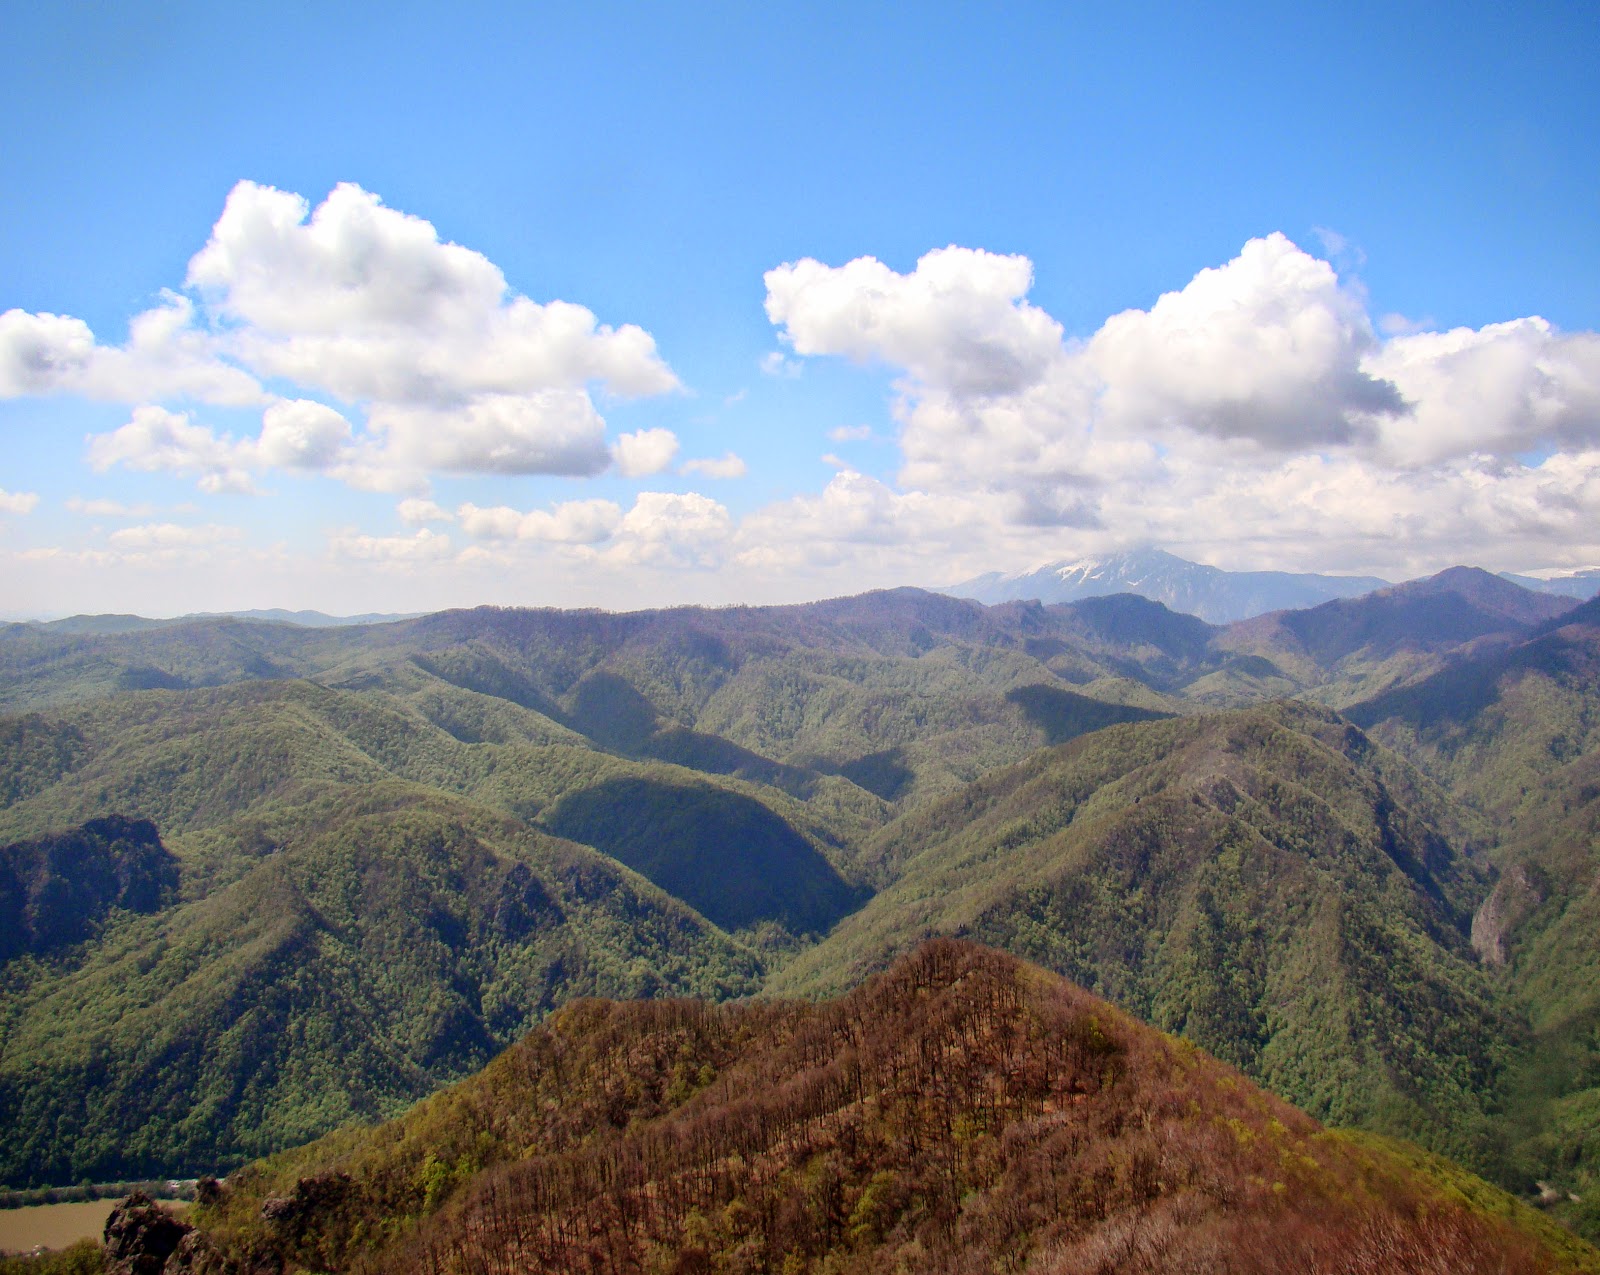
58, 890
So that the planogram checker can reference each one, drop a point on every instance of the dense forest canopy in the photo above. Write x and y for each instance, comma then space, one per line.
260, 881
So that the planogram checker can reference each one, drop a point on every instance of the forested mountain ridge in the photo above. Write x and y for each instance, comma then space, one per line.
1353, 648
388, 941
543, 804
958, 1108
1267, 882
715, 670
1513, 732
900, 689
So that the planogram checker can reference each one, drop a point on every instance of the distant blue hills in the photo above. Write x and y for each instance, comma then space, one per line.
1215, 595
105, 624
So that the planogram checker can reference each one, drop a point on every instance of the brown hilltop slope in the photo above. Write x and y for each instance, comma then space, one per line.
963, 1111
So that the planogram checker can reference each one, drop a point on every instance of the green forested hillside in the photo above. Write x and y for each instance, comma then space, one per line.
1514, 734
365, 907
1353, 648
906, 691
388, 940
1266, 882
399, 845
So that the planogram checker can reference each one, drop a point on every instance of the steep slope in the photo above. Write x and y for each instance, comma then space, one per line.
1514, 732
1267, 882
365, 906
1211, 593
959, 1112
1498, 724
62, 890
387, 941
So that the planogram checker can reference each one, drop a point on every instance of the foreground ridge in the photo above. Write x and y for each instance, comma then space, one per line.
963, 1111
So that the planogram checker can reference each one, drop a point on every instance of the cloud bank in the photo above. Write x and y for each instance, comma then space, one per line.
1257, 415
296, 310
1254, 416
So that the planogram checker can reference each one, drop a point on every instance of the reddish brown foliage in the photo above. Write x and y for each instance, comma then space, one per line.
962, 1112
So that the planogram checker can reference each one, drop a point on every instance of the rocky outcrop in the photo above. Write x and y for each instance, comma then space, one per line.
140, 1236
1514, 896
197, 1255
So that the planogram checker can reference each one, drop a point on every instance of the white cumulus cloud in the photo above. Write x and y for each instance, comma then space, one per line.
440, 365
367, 302
645, 452
1268, 347
1503, 388
417, 511
167, 356
157, 440
664, 529
853, 509
958, 321
390, 551
1254, 415
301, 434
170, 535
576, 522
549, 432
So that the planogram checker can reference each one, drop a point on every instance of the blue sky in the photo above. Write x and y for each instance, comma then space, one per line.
854, 295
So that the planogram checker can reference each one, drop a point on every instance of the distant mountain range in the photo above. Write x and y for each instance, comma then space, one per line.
1209, 592
106, 624
1576, 584
1215, 595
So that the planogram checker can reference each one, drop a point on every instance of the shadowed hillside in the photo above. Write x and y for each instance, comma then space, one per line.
61, 890
723, 853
